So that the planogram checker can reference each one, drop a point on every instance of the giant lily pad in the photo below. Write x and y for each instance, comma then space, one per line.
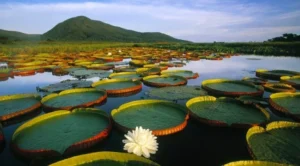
253, 100
12, 106
275, 74
73, 98
61, 132
286, 102
184, 73
84, 74
124, 69
279, 142
148, 71
278, 87
162, 117
106, 159
164, 80
294, 81
226, 112
235, 88
67, 84
177, 93
118, 86
255, 80
254, 163
126, 75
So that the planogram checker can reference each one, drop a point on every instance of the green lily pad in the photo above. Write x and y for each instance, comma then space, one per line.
294, 81
279, 142
164, 80
177, 93
253, 100
67, 84
233, 88
73, 98
61, 132
84, 74
183, 73
12, 106
148, 71
161, 117
275, 74
226, 112
254, 163
255, 80
106, 159
126, 75
278, 87
124, 69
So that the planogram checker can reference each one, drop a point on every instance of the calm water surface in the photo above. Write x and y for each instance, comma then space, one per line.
198, 142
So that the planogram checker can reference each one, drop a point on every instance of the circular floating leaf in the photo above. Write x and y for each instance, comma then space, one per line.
183, 73
126, 75
100, 66
226, 112
106, 159
279, 142
164, 80
254, 163
286, 102
234, 88
294, 81
177, 93
12, 106
84, 74
61, 132
67, 84
253, 100
162, 117
118, 86
254, 80
124, 69
275, 74
73, 98
278, 87
148, 71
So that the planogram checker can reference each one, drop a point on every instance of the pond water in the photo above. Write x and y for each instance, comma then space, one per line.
197, 143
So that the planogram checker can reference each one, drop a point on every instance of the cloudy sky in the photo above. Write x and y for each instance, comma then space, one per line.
194, 20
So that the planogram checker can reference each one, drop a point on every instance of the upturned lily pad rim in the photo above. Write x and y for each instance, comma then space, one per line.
261, 80
255, 163
278, 87
145, 80
122, 73
269, 75
138, 86
287, 80
160, 132
281, 109
83, 144
76, 90
259, 92
217, 122
170, 72
24, 111
105, 155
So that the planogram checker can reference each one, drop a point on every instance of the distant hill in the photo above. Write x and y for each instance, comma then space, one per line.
82, 28
287, 37
10, 36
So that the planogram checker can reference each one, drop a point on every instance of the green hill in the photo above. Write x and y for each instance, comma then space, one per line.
10, 36
82, 28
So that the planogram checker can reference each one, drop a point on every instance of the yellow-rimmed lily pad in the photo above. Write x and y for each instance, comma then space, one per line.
161, 117
255, 80
235, 88
126, 75
73, 98
64, 85
275, 74
164, 80
106, 159
278, 87
278, 142
84, 74
255, 163
184, 73
12, 106
294, 81
61, 132
226, 112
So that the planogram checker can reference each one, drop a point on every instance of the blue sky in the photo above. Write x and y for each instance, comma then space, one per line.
194, 20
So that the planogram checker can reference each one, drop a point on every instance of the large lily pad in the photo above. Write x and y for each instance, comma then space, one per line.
164, 80
148, 71
118, 86
84, 74
61, 132
184, 73
73, 98
275, 74
279, 142
253, 100
278, 87
226, 112
124, 69
294, 81
177, 93
286, 102
64, 85
254, 163
126, 75
162, 117
12, 106
106, 159
255, 80
235, 88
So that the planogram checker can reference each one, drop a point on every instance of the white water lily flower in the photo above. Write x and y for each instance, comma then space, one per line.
140, 142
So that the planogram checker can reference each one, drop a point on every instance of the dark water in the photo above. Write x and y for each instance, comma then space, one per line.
197, 143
